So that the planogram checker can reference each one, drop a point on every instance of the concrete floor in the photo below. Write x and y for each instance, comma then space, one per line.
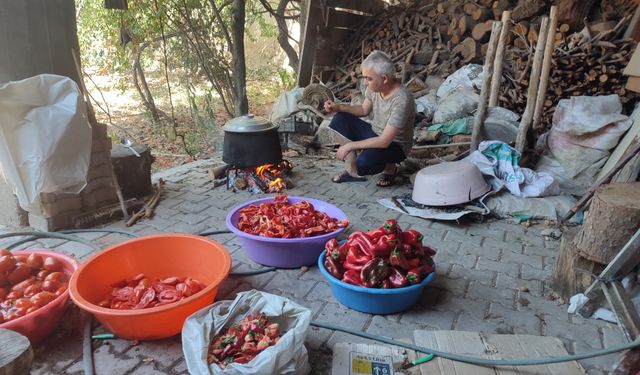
482, 268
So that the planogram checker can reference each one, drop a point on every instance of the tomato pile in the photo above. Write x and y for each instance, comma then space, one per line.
142, 292
280, 219
28, 282
242, 342
386, 257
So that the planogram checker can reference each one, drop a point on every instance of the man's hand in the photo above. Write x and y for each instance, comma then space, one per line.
330, 106
344, 150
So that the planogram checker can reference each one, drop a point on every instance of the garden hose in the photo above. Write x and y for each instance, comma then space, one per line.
87, 350
35, 235
119, 231
482, 361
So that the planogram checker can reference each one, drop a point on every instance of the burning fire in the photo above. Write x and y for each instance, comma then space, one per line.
271, 174
268, 178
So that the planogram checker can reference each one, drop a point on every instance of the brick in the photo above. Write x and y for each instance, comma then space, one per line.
388, 326
513, 246
163, 352
484, 230
98, 131
535, 261
531, 273
490, 265
486, 292
287, 286
428, 319
49, 224
456, 286
321, 292
514, 322
505, 281
541, 251
526, 239
482, 277
484, 252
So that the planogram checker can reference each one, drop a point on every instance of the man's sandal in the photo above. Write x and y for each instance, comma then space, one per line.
346, 177
386, 180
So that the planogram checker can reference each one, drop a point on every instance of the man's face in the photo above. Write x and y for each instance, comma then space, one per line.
372, 79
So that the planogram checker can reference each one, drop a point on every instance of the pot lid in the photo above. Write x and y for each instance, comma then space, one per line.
248, 124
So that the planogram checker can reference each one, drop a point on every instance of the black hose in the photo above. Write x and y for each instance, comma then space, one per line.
119, 231
35, 235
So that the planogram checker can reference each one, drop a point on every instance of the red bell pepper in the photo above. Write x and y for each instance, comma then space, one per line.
363, 241
390, 226
399, 260
429, 251
385, 245
407, 250
352, 277
376, 270
386, 284
412, 237
397, 278
415, 275
335, 250
375, 234
354, 255
333, 267
414, 262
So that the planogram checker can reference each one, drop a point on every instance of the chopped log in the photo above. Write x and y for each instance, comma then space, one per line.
564, 28
16, 354
480, 14
468, 49
527, 9
614, 215
469, 8
482, 31
465, 23
498, 7
572, 272
573, 12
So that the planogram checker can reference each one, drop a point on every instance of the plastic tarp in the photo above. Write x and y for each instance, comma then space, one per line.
584, 129
451, 128
45, 138
287, 356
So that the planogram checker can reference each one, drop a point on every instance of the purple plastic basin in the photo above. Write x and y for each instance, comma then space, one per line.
284, 252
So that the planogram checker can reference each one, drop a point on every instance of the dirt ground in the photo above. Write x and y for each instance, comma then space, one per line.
117, 104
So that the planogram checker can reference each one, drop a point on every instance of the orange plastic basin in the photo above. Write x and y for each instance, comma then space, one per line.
40, 323
156, 256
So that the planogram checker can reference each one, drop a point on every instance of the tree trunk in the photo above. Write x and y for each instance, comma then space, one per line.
283, 35
239, 67
569, 276
614, 216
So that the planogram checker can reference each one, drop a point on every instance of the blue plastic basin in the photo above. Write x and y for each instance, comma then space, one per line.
374, 300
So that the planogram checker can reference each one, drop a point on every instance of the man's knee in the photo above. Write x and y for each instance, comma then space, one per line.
340, 120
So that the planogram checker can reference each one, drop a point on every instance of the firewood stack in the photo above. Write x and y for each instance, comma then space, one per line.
589, 62
437, 37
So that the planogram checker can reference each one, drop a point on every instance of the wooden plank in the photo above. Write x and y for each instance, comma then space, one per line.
310, 17
369, 6
632, 134
495, 347
338, 18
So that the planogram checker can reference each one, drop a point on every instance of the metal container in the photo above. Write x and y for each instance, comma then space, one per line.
251, 141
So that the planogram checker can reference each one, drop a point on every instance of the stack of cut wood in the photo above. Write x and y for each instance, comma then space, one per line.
589, 62
437, 37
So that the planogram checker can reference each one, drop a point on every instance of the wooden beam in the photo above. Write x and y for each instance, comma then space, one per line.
496, 78
310, 16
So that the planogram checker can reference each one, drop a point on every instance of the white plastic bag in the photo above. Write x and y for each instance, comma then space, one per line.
45, 138
288, 356
467, 77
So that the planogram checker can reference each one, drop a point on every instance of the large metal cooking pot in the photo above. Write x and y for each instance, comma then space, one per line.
251, 141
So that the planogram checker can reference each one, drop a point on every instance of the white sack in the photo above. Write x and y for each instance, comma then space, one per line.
287, 356
45, 138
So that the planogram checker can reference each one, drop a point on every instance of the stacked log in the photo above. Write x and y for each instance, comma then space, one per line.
437, 37
584, 63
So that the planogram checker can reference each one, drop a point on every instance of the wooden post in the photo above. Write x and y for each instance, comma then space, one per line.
532, 92
487, 71
546, 67
309, 36
496, 78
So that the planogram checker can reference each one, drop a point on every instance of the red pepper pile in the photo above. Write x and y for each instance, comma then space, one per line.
243, 341
386, 257
279, 219
142, 292
28, 282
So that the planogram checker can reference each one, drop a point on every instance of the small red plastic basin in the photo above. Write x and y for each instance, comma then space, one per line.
39, 324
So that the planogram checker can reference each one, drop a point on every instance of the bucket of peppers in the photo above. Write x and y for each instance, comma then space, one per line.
381, 271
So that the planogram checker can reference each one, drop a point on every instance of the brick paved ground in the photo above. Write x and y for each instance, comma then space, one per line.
481, 268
